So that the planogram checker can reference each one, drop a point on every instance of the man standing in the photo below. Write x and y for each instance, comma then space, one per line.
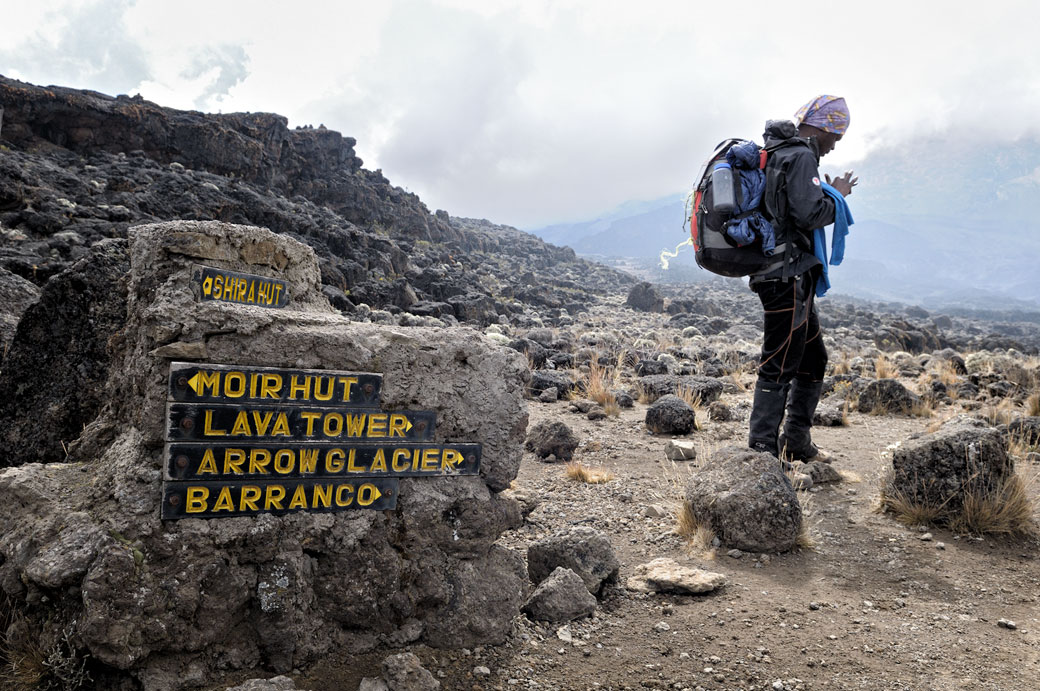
794, 359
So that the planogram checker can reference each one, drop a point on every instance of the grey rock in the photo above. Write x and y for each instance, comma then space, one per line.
677, 450
561, 597
938, 469
720, 412
16, 294
821, 473
645, 298
747, 501
541, 380
657, 385
404, 672
551, 438
887, 395
279, 683
664, 575
550, 395
373, 684
585, 551
670, 415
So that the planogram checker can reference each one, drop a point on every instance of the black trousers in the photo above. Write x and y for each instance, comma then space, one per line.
792, 345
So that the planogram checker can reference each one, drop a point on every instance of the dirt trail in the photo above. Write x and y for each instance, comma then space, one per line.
873, 605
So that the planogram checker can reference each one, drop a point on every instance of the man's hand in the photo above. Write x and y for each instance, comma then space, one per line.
844, 184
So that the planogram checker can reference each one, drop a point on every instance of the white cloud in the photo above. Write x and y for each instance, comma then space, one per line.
528, 111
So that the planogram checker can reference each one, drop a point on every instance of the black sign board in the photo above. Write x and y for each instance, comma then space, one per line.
318, 460
234, 424
201, 383
221, 285
226, 499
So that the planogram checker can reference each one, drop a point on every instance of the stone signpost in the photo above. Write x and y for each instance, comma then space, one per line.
269, 483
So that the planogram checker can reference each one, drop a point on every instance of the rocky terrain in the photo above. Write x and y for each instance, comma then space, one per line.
634, 393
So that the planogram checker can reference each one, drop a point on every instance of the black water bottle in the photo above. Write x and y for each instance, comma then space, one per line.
724, 200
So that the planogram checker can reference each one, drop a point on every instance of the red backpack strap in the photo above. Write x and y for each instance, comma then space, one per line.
762, 156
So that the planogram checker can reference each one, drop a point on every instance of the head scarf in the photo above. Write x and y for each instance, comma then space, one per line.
828, 113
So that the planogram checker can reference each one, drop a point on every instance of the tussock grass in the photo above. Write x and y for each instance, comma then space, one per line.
906, 509
1006, 510
843, 365
1000, 414
590, 476
699, 536
845, 407
692, 399
1033, 405
884, 368
597, 383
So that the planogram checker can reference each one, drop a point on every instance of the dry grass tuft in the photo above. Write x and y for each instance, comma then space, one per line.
1033, 405
885, 368
597, 384
1006, 510
844, 365
1001, 413
806, 539
692, 399
699, 536
590, 476
923, 408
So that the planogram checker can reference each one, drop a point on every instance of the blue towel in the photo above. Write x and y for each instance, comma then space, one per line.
842, 221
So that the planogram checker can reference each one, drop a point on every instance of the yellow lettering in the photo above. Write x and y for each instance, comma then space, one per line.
429, 459
377, 425
340, 491
197, 497
333, 424
308, 460
271, 386
252, 292
241, 426
234, 384
208, 380
451, 458
334, 460
284, 461
207, 428
261, 423
351, 467
355, 425
224, 502
278, 291
379, 462
233, 460
209, 464
400, 454
310, 417
262, 294
247, 500
281, 426
241, 295
274, 496
252, 384
207, 285
398, 425
299, 498
322, 496
259, 459
367, 494
218, 286
295, 387
347, 383
325, 395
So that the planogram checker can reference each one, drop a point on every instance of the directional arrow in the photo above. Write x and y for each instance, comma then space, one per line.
408, 423
194, 383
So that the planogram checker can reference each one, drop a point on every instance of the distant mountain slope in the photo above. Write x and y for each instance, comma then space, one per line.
938, 223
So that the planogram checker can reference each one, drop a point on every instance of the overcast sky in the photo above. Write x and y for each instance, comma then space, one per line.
528, 112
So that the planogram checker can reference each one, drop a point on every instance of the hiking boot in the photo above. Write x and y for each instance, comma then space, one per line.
796, 441
767, 411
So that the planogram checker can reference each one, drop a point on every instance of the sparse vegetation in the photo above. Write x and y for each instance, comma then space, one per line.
699, 537
589, 476
1033, 405
692, 399
884, 368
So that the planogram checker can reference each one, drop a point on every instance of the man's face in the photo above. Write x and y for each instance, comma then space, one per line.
826, 142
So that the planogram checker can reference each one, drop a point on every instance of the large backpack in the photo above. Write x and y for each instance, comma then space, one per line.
715, 250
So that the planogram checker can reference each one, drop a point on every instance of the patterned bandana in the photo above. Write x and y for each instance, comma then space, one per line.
828, 113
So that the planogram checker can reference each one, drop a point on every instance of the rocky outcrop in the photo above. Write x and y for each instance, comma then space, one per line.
273, 591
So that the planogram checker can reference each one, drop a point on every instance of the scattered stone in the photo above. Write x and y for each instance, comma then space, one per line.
655, 511
720, 412
664, 575
670, 415
677, 450
560, 597
596, 413
662, 627
551, 438
801, 481
938, 469
550, 395
481, 671
657, 385
734, 554
927, 537
1007, 624
645, 298
747, 501
404, 672
542, 379
373, 684
821, 473
585, 551
279, 683
814, 606
887, 396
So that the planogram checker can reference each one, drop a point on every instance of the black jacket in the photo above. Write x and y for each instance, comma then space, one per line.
794, 201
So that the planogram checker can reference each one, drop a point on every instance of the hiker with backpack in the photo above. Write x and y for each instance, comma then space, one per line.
769, 227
